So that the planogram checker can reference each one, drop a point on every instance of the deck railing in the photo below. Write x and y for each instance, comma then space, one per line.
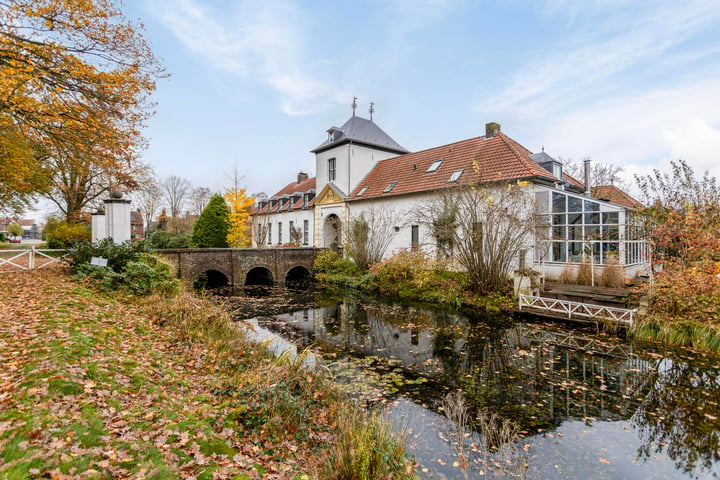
571, 310
28, 259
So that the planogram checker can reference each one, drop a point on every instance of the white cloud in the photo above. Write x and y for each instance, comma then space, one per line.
602, 49
641, 133
414, 15
630, 87
255, 41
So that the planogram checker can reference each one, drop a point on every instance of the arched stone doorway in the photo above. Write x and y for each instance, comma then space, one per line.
332, 231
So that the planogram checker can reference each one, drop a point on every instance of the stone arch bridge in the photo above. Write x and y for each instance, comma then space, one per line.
240, 267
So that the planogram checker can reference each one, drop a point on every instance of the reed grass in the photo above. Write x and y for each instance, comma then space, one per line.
612, 274
276, 396
366, 448
567, 275
584, 272
680, 333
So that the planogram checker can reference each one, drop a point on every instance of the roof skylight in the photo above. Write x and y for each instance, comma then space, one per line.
435, 165
455, 175
362, 190
390, 187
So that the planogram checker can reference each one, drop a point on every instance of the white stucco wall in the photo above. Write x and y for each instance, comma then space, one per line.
352, 164
283, 219
408, 210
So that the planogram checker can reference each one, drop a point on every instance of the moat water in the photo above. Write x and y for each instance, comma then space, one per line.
544, 400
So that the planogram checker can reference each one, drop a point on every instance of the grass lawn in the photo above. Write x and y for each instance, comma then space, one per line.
92, 387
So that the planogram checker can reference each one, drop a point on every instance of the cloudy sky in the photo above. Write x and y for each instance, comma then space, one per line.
256, 84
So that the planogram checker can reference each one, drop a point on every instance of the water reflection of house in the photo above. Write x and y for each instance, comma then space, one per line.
369, 334
361, 169
571, 375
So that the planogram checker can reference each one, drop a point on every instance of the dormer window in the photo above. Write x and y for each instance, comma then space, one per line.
362, 190
309, 195
435, 165
390, 187
334, 134
455, 176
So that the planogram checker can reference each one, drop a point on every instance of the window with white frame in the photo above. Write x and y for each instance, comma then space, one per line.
331, 170
581, 228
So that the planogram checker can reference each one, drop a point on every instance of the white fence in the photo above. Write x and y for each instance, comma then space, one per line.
571, 310
28, 259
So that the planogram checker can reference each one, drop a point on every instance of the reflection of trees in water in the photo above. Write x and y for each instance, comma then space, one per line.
537, 383
680, 413
540, 380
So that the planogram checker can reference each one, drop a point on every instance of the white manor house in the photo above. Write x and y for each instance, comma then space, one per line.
360, 168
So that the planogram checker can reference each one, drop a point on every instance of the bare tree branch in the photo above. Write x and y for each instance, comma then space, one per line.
370, 234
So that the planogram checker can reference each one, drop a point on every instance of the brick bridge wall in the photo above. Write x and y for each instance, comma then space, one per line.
235, 263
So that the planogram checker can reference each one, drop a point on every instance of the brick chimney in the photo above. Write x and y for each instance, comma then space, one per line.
302, 176
491, 129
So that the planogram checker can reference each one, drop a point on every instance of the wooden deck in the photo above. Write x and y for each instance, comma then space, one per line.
611, 297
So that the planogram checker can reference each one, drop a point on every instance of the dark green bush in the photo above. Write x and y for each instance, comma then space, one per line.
131, 267
329, 262
150, 274
164, 239
211, 228
118, 256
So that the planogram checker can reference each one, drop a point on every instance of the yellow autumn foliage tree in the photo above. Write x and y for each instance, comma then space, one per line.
239, 221
75, 80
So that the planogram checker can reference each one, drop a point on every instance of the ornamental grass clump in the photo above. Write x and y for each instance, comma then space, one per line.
365, 448
584, 273
612, 274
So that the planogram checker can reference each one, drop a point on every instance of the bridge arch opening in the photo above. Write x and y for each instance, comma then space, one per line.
298, 278
212, 280
258, 281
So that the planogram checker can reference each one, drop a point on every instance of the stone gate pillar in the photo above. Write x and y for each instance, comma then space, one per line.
98, 226
117, 218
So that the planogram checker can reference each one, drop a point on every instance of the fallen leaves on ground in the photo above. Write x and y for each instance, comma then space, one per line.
91, 387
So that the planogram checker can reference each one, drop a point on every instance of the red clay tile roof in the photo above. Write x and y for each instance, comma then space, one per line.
573, 180
287, 204
498, 159
614, 195
294, 187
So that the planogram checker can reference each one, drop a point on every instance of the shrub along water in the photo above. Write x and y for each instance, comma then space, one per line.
684, 307
409, 275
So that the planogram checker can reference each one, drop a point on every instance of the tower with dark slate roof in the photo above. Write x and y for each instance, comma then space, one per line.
349, 153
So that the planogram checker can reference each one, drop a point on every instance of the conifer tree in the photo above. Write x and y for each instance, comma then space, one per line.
211, 228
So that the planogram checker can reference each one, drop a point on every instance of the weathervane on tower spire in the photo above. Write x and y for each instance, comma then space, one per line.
354, 105
372, 109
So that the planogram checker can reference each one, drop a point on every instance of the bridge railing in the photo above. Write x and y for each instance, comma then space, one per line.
569, 309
